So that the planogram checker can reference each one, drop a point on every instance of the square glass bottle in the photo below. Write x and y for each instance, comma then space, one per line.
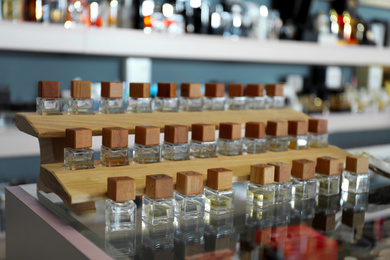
80, 102
189, 197
229, 141
236, 100
356, 178
214, 97
283, 183
328, 176
139, 100
190, 99
255, 96
254, 140
166, 100
277, 139
111, 101
48, 100
157, 203
218, 191
77, 152
121, 211
261, 187
147, 147
318, 133
304, 182
297, 133
203, 144
175, 146
114, 150
275, 96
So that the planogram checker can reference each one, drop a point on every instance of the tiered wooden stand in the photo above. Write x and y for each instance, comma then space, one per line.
79, 189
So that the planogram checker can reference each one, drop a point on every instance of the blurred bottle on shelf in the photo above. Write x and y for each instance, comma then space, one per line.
9, 10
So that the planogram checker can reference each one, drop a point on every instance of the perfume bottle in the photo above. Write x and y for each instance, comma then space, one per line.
318, 133
147, 147
275, 96
261, 187
190, 97
277, 139
214, 97
297, 132
114, 151
121, 211
111, 101
283, 183
166, 100
304, 182
189, 197
139, 100
157, 203
229, 141
77, 152
255, 96
254, 140
48, 100
218, 191
237, 100
328, 176
189, 237
81, 102
203, 144
175, 146
356, 178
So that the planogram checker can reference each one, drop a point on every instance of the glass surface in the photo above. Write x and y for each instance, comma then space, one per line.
203, 149
354, 201
80, 106
256, 102
146, 153
139, 105
355, 183
277, 144
254, 145
317, 140
166, 104
328, 205
260, 195
175, 152
304, 189
283, 192
191, 104
111, 105
328, 185
237, 103
76, 159
298, 142
120, 216
214, 104
157, 211
112, 157
229, 147
219, 202
48, 106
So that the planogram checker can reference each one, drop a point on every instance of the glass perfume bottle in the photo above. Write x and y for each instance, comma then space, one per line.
81, 102
48, 100
254, 140
304, 182
214, 97
236, 100
189, 237
158, 203
147, 147
166, 100
318, 133
111, 101
283, 183
203, 144
121, 211
255, 96
277, 139
139, 100
218, 191
297, 132
114, 150
328, 176
229, 141
189, 197
356, 178
190, 97
275, 96
77, 152
175, 146
158, 241
261, 187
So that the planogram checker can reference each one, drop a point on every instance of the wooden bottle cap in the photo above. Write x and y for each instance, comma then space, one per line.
318, 126
121, 188
297, 127
353, 219
282, 171
166, 90
277, 128
140, 90
255, 90
230, 131
159, 186
49, 89
357, 164
327, 165
80, 89
236, 90
115, 137
324, 222
275, 90
262, 174
214, 90
219, 179
78, 138
111, 89
303, 169
255, 129
191, 90
189, 183
176, 134
203, 132
147, 135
